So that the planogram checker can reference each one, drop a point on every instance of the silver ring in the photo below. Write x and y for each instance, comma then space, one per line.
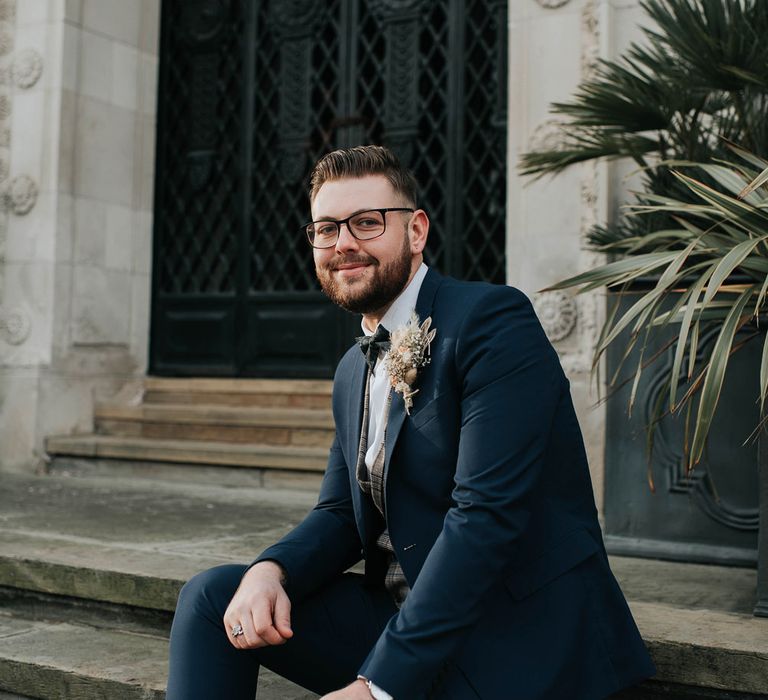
237, 631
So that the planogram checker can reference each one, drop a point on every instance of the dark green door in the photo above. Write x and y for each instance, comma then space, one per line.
251, 94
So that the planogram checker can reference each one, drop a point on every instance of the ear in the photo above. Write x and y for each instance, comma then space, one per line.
418, 230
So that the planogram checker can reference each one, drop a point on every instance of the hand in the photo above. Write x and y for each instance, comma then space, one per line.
356, 691
261, 606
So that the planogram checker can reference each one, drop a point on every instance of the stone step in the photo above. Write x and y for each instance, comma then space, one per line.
217, 423
182, 472
285, 457
53, 660
90, 570
132, 542
60, 661
127, 545
286, 393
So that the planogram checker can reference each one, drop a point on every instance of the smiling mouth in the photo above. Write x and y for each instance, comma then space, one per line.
349, 266
351, 272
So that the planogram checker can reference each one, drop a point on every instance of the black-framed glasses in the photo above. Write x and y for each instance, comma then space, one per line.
364, 225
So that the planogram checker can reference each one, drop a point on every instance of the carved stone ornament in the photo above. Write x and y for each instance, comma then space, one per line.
557, 313
547, 136
590, 32
6, 38
15, 325
552, 4
22, 194
27, 68
7, 10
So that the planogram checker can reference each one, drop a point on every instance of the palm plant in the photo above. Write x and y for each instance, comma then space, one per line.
714, 263
694, 88
697, 82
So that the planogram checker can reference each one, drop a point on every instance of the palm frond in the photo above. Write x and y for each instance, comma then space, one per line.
716, 277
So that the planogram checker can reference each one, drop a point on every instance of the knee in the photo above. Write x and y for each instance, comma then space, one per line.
210, 590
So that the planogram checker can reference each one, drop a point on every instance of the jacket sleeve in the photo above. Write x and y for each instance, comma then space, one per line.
326, 543
511, 382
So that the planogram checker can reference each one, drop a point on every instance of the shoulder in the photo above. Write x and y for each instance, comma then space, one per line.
461, 301
472, 290
480, 317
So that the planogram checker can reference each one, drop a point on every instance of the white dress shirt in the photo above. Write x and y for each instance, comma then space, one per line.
397, 315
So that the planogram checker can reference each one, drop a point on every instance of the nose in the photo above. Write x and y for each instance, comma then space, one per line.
346, 240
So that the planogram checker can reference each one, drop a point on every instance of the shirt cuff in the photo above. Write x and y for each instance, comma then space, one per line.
376, 692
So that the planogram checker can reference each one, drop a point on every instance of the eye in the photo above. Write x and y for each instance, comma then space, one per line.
367, 221
325, 229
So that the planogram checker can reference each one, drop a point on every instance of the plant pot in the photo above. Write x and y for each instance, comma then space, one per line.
710, 515
761, 607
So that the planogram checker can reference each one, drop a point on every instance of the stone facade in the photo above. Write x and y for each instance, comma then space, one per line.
554, 44
77, 125
78, 81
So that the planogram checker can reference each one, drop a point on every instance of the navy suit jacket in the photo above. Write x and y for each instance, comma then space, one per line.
490, 511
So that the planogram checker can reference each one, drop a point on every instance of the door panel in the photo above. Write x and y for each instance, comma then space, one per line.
251, 95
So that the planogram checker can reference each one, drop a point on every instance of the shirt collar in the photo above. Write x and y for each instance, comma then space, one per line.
402, 307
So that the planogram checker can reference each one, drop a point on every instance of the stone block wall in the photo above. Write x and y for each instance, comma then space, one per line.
79, 78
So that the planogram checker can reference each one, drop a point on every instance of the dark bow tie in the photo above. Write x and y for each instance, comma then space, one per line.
372, 345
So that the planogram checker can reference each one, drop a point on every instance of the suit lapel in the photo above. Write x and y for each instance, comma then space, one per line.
355, 407
397, 410
361, 504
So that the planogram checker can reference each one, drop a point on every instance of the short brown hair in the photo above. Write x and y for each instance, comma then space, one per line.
360, 161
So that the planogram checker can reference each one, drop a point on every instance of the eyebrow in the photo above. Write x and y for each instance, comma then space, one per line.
354, 213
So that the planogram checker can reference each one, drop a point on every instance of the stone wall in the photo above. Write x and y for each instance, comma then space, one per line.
77, 125
554, 44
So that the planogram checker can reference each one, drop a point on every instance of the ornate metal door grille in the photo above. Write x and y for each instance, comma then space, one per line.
251, 94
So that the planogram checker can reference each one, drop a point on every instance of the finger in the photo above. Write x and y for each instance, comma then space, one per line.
249, 639
230, 623
236, 640
264, 627
269, 634
241, 641
282, 616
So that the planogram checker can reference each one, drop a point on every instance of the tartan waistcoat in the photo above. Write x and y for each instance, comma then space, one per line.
371, 482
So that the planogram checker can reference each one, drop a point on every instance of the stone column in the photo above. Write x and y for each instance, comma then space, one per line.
79, 80
553, 45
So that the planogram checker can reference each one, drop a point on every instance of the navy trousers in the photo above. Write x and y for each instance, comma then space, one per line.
333, 631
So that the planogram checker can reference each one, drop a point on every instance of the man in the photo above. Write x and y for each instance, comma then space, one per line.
457, 472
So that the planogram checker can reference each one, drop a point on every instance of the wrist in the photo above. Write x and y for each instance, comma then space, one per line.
373, 690
271, 568
364, 683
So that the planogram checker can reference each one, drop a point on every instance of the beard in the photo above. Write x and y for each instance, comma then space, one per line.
363, 297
